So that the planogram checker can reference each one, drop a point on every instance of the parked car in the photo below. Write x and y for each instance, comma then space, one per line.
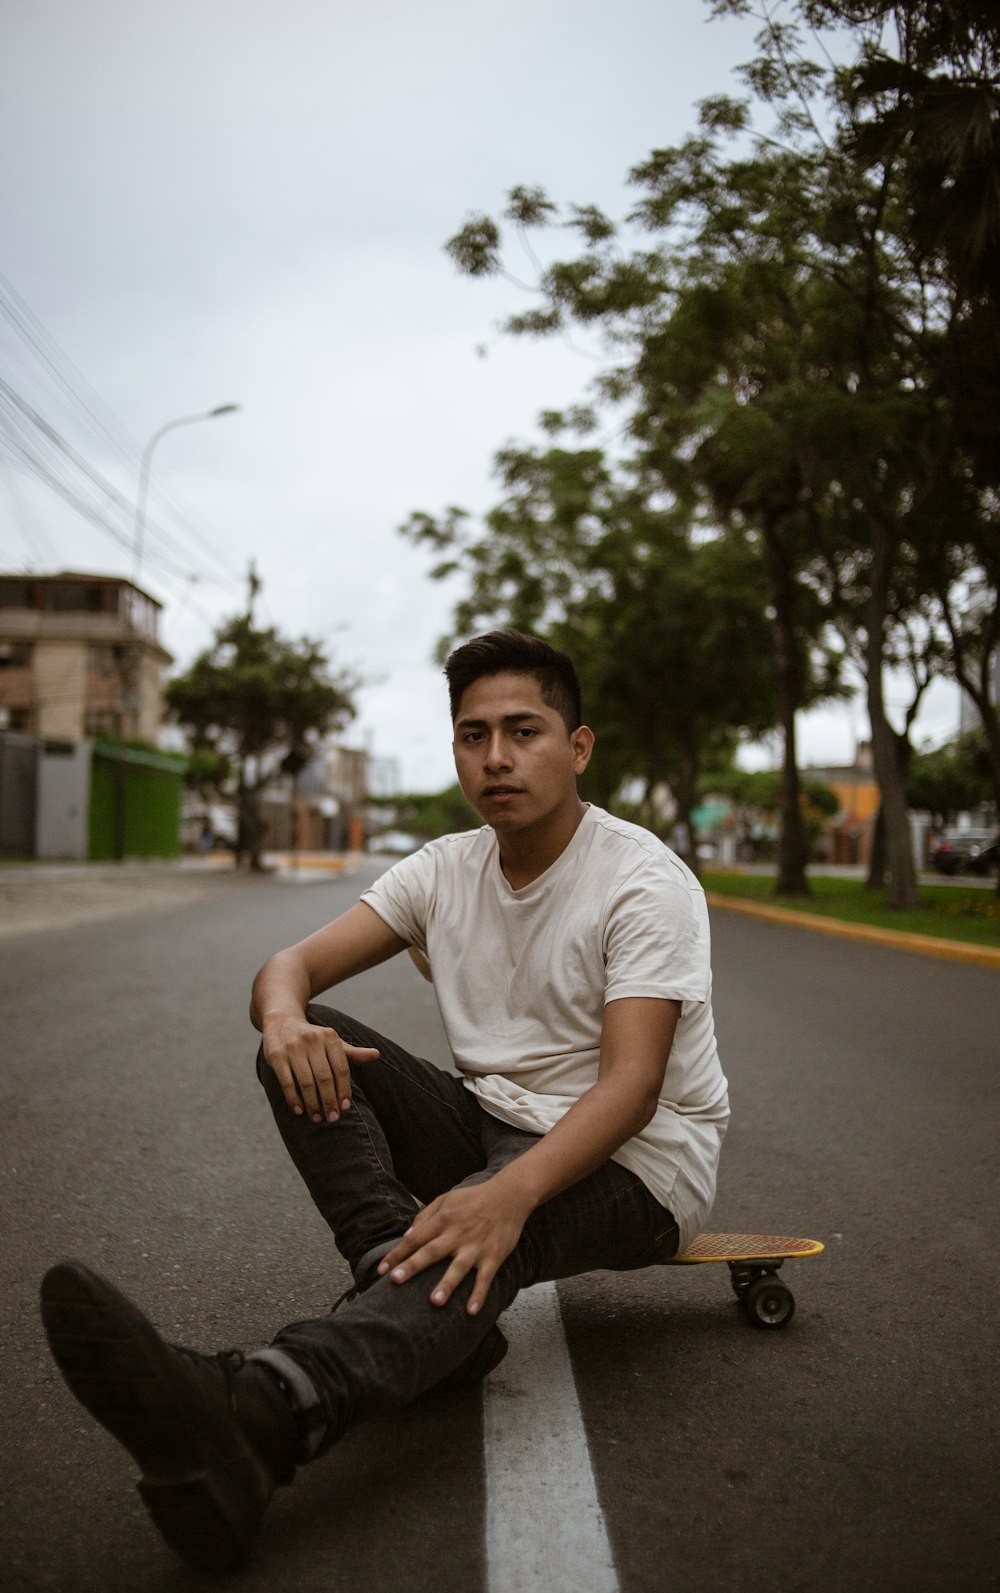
987, 860
975, 850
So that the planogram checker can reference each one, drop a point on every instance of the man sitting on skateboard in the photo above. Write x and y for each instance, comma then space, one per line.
570, 956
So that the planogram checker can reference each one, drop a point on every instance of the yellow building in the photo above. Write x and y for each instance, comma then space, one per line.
80, 656
850, 832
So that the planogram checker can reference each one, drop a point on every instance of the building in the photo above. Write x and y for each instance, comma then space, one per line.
79, 657
851, 832
321, 808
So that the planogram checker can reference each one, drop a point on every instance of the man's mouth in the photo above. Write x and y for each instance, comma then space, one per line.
502, 791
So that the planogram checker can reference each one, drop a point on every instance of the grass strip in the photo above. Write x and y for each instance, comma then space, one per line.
948, 912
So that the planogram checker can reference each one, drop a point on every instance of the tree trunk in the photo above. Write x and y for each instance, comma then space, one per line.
878, 865
250, 830
877, 862
793, 848
990, 717
685, 790
991, 724
889, 772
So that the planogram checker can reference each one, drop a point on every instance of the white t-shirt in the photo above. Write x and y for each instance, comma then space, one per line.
522, 978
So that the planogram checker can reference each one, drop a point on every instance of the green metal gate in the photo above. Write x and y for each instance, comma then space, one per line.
135, 803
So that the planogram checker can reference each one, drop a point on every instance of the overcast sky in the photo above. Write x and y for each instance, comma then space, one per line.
210, 202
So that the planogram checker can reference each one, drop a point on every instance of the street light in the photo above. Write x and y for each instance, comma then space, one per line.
143, 492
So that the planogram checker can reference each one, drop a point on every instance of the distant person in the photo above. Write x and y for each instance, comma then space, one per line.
570, 955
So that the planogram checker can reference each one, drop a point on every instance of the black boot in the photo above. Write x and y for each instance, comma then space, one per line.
212, 1435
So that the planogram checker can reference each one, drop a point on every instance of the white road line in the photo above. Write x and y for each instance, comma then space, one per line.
545, 1532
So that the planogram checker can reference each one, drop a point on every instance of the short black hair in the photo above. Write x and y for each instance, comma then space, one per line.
512, 652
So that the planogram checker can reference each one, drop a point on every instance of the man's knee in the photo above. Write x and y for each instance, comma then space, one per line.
322, 1017
325, 1017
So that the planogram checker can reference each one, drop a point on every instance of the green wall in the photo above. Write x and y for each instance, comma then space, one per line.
135, 803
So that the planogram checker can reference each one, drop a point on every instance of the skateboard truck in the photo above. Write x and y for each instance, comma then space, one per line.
754, 1261
767, 1301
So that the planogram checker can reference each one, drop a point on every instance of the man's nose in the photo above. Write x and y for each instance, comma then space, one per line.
498, 752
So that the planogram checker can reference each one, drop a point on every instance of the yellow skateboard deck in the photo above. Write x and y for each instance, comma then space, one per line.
754, 1260
745, 1247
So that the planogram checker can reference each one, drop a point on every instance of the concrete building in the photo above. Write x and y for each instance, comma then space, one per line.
80, 656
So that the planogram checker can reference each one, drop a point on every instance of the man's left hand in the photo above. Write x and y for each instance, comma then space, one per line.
477, 1226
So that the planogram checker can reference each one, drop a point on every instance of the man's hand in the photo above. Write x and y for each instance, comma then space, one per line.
477, 1226
312, 1065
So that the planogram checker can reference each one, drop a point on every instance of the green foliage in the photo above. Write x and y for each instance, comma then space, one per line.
254, 694
952, 779
761, 788
758, 794
925, 92
529, 207
208, 771
475, 249
941, 911
427, 814
667, 629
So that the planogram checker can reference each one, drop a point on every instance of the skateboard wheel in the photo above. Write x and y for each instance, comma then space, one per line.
769, 1302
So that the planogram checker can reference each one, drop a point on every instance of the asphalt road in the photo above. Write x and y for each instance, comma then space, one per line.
858, 1450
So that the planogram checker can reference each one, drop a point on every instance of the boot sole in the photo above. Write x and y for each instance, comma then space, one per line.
202, 1485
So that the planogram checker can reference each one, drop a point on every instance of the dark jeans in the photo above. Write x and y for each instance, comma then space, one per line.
412, 1133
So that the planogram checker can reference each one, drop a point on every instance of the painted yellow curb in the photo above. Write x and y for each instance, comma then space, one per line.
902, 940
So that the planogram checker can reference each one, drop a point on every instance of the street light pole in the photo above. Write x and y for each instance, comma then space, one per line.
143, 491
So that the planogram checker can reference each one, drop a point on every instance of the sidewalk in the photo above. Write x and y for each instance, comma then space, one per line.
40, 896
297, 865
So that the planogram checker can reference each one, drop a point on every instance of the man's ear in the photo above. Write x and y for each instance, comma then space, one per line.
582, 742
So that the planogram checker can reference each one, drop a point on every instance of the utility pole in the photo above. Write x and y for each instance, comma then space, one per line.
254, 584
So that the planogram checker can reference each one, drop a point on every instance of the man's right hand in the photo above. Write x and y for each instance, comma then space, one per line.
312, 1065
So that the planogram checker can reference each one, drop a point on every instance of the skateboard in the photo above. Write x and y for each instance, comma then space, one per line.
753, 1260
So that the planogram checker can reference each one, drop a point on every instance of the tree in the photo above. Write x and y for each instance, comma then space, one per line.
788, 340
668, 630
259, 704
926, 83
426, 814
713, 341
951, 779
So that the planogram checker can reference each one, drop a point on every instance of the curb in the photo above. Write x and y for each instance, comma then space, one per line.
898, 939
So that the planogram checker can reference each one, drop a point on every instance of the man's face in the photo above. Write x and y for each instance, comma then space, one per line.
517, 763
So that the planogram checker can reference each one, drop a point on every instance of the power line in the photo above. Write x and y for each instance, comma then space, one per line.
98, 419
41, 469
68, 377
30, 527
54, 475
12, 398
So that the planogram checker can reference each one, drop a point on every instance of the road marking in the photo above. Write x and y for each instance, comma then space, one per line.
545, 1530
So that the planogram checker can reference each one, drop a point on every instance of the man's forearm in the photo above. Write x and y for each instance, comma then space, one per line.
281, 986
357, 940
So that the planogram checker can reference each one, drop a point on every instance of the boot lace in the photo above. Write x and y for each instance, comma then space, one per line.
228, 1362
